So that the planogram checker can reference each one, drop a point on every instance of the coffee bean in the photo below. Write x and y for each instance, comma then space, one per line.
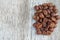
36, 18
38, 31
41, 20
48, 33
45, 7
36, 8
40, 7
51, 7
48, 10
39, 11
41, 15
53, 14
45, 12
53, 19
52, 24
51, 29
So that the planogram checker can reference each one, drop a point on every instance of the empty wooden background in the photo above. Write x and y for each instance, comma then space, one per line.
16, 20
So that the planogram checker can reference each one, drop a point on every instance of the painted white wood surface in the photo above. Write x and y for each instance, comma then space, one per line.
16, 20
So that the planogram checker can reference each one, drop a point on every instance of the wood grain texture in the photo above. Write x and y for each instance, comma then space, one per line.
16, 20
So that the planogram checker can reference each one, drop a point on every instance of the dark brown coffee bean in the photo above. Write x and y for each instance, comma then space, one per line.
48, 32
34, 24
51, 29
51, 7
44, 32
39, 11
38, 31
57, 17
45, 20
36, 14
41, 20
49, 12
53, 14
48, 16
41, 15
40, 7
49, 21
52, 24
36, 18
46, 29
36, 8
42, 29
54, 7
55, 10
44, 24
39, 26
50, 4
45, 7
45, 4
53, 19
52, 11
45, 12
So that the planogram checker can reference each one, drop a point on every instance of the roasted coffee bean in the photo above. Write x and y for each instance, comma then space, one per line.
38, 31
36, 14
39, 11
42, 29
45, 12
36, 18
52, 24
41, 15
34, 24
46, 7
55, 10
57, 17
53, 19
40, 7
39, 26
41, 20
51, 29
44, 4
44, 32
53, 14
48, 32
49, 21
44, 24
49, 4
36, 8
51, 7
48, 10
54, 7
52, 11
46, 29
46, 18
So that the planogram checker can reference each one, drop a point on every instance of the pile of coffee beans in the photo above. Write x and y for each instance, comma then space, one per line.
46, 18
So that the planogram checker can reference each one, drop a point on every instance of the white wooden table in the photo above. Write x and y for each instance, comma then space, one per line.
16, 20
